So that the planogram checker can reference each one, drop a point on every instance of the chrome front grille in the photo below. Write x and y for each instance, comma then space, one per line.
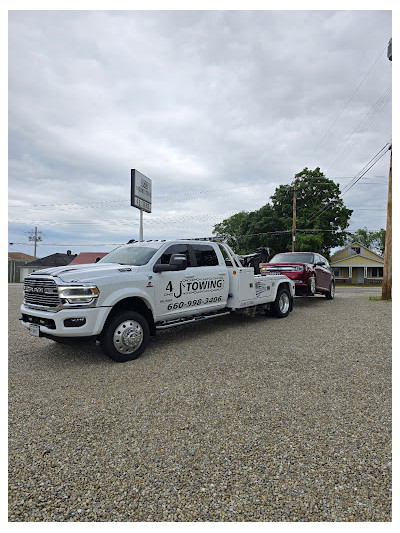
41, 293
284, 269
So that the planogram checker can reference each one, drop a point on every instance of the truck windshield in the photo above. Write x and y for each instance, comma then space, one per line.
130, 255
293, 258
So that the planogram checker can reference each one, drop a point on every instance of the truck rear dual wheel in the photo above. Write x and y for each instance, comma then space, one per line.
282, 304
125, 337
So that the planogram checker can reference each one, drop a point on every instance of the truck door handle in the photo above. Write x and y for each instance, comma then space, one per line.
189, 276
221, 273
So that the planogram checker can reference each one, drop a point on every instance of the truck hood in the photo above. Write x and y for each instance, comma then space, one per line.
86, 273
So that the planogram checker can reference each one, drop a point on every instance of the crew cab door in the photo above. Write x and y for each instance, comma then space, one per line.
168, 286
210, 283
201, 287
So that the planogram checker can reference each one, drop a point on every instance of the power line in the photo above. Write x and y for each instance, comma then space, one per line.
366, 168
367, 209
151, 221
308, 230
166, 197
63, 244
349, 100
353, 138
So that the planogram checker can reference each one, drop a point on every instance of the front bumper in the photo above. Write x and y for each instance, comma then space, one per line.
53, 324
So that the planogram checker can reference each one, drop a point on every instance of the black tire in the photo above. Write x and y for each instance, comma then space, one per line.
311, 289
281, 306
269, 311
125, 336
330, 295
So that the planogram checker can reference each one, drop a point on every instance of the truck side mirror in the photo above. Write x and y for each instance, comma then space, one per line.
176, 262
179, 261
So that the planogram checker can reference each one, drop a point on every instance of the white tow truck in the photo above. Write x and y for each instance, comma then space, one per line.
143, 287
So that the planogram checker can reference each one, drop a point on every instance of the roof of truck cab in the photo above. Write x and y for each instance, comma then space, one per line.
170, 241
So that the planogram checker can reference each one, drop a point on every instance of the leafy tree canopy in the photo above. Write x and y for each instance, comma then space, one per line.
231, 229
374, 240
321, 218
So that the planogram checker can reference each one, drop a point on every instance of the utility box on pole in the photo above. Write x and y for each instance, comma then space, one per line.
140, 195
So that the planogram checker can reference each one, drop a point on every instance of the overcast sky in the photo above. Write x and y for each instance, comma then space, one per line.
217, 108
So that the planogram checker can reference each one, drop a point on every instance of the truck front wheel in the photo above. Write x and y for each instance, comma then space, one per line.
282, 304
125, 337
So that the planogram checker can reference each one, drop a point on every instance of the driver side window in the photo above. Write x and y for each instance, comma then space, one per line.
174, 249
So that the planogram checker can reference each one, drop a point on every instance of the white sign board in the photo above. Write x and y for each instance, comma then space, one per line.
140, 191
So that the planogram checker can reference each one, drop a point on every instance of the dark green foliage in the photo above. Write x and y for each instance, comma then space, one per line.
231, 229
321, 219
374, 240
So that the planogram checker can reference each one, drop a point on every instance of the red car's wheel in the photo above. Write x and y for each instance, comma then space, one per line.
311, 286
330, 295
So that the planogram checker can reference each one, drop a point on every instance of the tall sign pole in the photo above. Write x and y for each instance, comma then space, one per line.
140, 195
141, 226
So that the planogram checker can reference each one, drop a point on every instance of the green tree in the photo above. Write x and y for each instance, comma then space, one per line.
374, 240
322, 218
380, 241
231, 229
265, 229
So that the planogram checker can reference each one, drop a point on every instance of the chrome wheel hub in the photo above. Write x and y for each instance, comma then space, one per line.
312, 285
284, 303
128, 336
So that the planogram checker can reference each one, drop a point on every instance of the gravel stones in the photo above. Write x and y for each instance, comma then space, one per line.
232, 419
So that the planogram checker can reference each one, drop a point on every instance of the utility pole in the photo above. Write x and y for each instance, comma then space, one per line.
34, 255
294, 216
33, 236
387, 265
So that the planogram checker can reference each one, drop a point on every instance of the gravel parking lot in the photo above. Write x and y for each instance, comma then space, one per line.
233, 419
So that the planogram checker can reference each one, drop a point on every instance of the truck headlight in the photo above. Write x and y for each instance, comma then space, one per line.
78, 294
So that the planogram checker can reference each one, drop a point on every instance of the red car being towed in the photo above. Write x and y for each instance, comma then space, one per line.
310, 272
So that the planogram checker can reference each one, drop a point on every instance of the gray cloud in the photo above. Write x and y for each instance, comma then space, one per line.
196, 100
